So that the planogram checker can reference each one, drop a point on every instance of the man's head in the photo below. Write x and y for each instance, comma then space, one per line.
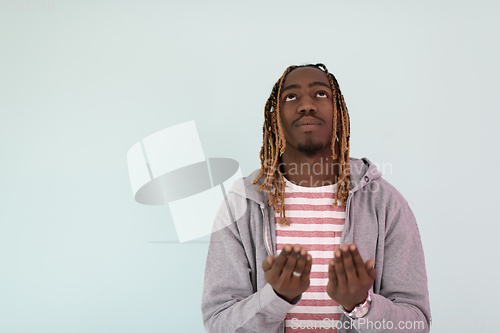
306, 113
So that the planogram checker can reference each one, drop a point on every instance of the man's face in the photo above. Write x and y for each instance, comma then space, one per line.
307, 111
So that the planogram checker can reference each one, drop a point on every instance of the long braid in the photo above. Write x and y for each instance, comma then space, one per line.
274, 144
344, 172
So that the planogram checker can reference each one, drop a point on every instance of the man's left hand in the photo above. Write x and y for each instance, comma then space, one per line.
349, 279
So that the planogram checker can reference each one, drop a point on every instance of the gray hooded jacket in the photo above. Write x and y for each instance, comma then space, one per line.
237, 298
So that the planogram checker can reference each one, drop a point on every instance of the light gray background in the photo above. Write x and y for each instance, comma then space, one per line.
80, 84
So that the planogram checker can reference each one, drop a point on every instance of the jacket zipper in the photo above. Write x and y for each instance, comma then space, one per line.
266, 227
268, 247
348, 206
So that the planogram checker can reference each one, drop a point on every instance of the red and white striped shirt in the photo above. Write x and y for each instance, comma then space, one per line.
318, 225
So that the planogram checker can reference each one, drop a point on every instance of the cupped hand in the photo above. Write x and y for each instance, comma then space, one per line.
288, 273
349, 278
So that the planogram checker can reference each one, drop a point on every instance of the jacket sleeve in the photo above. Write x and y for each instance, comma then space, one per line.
402, 304
230, 302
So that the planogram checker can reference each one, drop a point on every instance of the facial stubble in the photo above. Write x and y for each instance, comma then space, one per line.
310, 147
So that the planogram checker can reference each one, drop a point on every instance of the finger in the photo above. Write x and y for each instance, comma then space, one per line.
268, 263
282, 257
350, 271
361, 270
332, 275
277, 268
291, 261
307, 269
301, 262
339, 268
370, 268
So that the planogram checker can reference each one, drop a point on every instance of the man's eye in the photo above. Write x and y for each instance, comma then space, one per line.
289, 98
322, 94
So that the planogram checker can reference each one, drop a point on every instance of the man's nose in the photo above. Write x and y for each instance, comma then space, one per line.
306, 105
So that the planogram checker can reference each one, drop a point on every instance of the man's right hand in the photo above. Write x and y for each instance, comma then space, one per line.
279, 270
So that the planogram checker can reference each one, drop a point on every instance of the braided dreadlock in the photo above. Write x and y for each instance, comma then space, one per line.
274, 144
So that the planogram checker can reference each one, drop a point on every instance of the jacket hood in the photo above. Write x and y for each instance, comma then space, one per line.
362, 172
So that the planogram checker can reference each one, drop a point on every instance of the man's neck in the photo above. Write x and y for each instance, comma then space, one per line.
310, 171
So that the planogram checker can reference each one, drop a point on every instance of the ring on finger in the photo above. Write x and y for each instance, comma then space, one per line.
297, 274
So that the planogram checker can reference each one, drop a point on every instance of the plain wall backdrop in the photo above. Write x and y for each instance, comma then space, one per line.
82, 81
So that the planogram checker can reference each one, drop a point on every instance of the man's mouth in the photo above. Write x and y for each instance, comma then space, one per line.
308, 122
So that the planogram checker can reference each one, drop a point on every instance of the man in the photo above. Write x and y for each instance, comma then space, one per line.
322, 212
